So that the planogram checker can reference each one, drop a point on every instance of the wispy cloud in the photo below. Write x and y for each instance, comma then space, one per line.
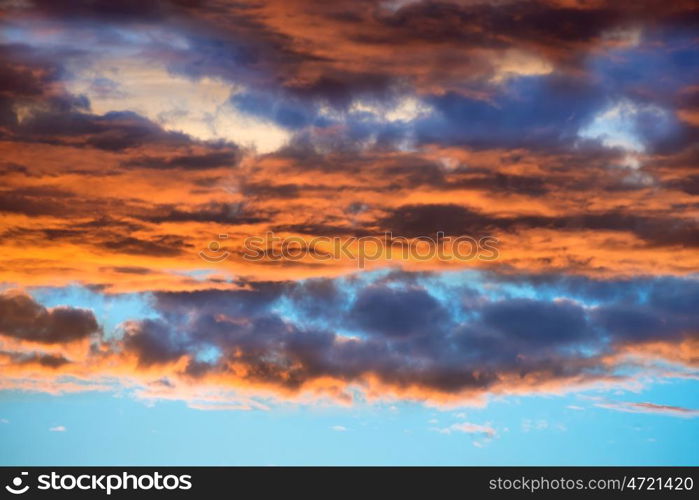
339, 428
219, 407
324, 126
534, 425
469, 428
58, 428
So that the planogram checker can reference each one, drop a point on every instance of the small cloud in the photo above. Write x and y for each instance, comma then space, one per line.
621, 126
617, 126
339, 428
219, 407
574, 407
534, 425
433, 421
58, 428
4, 421
469, 428
629, 407
406, 109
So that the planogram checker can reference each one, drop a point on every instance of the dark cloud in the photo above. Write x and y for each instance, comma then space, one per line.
9, 168
632, 322
676, 297
398, 313
689, 184
284, 110
23, 318
456, 220
307, 73
32, 80
21, 77
480, 24
124, 10
225, 213
536, 113
497, 182
38, 201
265, 191
152, 342
323, 230
395, 328
203, 161
427, 220
341, 88
534, 321
114, 131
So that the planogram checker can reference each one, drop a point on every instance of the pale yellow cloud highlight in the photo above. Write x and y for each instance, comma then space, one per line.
200, 108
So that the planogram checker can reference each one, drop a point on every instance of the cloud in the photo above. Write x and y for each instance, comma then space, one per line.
22, 318
215, 159
58, 428
435, 351
219, 407
321, 339
398, 313
113, 131
200, 397
339, 428
619, 125
142, 218
566, 131
244, 76
529, 320
628, 126
41, 359
151, 341
469, 428
534, 425
456, 220
199, 108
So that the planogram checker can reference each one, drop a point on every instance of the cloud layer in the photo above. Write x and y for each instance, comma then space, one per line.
133, 134
424, 337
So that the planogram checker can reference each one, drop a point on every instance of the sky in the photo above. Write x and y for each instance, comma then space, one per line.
145, 144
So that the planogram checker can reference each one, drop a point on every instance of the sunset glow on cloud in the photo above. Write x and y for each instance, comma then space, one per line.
143, 143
